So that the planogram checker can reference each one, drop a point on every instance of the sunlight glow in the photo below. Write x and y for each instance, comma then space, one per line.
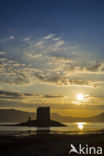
80, 125
80, 97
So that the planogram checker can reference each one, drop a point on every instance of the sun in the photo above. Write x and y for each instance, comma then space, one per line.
80, 97
81, 125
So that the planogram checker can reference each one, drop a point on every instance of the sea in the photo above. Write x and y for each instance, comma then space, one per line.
72, 128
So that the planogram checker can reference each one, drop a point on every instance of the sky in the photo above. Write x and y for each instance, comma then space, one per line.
50, 53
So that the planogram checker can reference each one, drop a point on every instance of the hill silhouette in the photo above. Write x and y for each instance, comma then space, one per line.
12, 115
43, 119
96, 118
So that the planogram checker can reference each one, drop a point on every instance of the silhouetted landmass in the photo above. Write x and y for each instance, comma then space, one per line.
97, 118
43, 119
35, 123
12, 115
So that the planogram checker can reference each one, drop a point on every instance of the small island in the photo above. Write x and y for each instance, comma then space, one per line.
42, 120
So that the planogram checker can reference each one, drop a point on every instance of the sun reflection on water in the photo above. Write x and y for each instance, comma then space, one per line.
81, 125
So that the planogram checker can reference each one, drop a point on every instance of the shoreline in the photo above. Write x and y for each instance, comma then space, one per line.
46, 144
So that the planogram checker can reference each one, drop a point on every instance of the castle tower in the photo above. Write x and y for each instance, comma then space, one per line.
43, 115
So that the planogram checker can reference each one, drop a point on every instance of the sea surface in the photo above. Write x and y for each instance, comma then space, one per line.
72, 128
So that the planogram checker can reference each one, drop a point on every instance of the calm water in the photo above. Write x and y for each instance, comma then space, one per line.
71, 128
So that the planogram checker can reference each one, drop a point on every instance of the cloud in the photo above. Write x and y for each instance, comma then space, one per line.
90, 68
48, 44
17, 95
29, 100
53, 96
51, 70
26, 39
65, 81
9, 93
13, 72
45, 61
69, 106
11, 37
34, 56
95, 67
16, 104
2, 52
50, 36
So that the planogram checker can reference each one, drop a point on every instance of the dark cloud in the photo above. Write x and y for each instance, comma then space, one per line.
67, 81
18, 95
10, 95
58, 80
94, 68
12, 72
40, 77
7, 93
53, 96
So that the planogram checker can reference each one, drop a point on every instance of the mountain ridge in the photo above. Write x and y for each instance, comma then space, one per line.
13, 115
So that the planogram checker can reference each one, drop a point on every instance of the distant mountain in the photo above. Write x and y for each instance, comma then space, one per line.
97, 118
12, 115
